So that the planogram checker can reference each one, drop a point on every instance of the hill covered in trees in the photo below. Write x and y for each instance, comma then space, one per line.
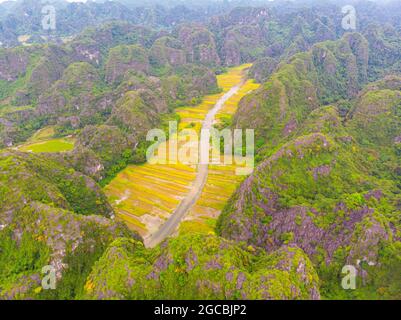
326, 189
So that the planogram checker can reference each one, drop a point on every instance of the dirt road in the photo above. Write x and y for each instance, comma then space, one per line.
187, 203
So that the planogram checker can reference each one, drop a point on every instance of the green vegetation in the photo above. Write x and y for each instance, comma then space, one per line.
38, 178
54, 145
326, 109
20, 259
200, 267
325, 173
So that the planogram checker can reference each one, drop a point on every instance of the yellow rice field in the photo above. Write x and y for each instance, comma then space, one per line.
222, 180
230, 107
145, 196
192, 117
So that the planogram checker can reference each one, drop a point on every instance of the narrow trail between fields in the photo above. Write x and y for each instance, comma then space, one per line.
169, 227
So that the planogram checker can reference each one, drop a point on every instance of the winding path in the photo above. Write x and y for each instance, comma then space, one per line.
190, 199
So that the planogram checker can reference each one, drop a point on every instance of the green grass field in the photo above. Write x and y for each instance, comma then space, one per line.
49, 146
43, 141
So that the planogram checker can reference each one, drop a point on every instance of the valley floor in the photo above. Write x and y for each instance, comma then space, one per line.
154, 199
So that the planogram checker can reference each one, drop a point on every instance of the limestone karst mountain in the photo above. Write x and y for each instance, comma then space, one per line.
78, 195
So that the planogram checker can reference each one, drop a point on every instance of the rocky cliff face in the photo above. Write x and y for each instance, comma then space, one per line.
375, 117
49, 215
73, 93
201, 267
263, 68
305, 194
42, 235
168, 51
123, 58
384, 49
241, 31
13, 63
325, 192
247, 34
199, 43
301, 85
34, 178
303, 191
39, 79
272, 199
120, 77
24, 17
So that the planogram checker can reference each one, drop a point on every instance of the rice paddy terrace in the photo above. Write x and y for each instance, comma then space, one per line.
145, 197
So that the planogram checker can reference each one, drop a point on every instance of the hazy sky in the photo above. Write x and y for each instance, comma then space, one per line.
66, 0
145, 0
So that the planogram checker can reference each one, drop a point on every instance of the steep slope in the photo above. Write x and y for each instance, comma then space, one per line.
27, 177
107, 87
200, 267
328, 72
49, 215
318, 192
375, 122
325, 183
